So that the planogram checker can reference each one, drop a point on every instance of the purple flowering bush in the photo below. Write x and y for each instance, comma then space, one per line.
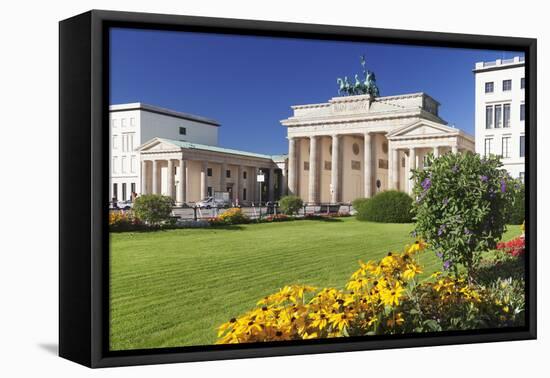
460, 207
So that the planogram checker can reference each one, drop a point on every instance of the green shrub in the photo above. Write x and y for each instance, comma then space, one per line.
390, 206
517, 210
461, 206
154, 209
291, 205
358, 205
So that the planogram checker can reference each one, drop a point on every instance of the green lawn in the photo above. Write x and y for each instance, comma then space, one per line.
173, 288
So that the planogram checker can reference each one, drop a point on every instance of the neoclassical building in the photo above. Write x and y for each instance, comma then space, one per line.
350, 147
189, 172
356, 146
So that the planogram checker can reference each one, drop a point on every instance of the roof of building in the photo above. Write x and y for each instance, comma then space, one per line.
206, 147
499, 64
163, 111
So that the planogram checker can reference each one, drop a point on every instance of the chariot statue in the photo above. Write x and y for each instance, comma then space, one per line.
366, 86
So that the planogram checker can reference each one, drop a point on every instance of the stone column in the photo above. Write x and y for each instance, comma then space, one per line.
335, 170
436, 152
144, 177
170, 179
239, 185
313, 192
254, 190
156, 182
204, 180
223, 177
182, 183
292, 166
412, 165
454, 149
271, 187
393, 169
367, 173
284, 180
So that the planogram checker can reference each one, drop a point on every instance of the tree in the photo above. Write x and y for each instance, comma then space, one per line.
461, 206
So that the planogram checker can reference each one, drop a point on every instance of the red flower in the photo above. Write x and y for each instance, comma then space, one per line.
515, 247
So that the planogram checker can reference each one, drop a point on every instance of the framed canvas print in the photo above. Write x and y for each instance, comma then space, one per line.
234, 188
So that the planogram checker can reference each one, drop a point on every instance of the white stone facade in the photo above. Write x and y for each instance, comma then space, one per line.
135, 123
347, 148
500, 112
189, 172
356, 146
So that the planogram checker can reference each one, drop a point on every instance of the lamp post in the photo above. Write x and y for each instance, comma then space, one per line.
260, 178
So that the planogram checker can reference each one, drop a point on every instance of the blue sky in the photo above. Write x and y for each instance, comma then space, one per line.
249, 83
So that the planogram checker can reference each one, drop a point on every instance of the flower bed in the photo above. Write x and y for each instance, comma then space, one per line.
231, 216
383, 297
124, 220
514, 247
277, 218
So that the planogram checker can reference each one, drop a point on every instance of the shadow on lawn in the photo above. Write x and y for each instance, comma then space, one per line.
490, 272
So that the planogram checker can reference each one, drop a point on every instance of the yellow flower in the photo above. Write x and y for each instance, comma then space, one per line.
397, 320
418, 246
319, 319
341, 320
357, 285
411, 271
391, 293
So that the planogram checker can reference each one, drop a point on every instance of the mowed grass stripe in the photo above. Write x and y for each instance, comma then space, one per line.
173, 288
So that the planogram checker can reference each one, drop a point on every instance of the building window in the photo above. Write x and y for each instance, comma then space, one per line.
114, 123
506, 115
133, 187
498, 116
123, 161
128, 142
209, 191
522, 83
489, 117
183, 131
522, 112
356, 165
382, 164
115, 191
489, 87
115, 142
506, 85
522, 146
522, 176
124, 191
209, 172
132, 121
114, 168
133, 164
306, 165
228, 173
506, 146
244, 175
328, 165
244, 194
355, 148
488, 146
123, 122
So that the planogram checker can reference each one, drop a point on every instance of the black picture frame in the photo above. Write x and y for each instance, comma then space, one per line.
83, 159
